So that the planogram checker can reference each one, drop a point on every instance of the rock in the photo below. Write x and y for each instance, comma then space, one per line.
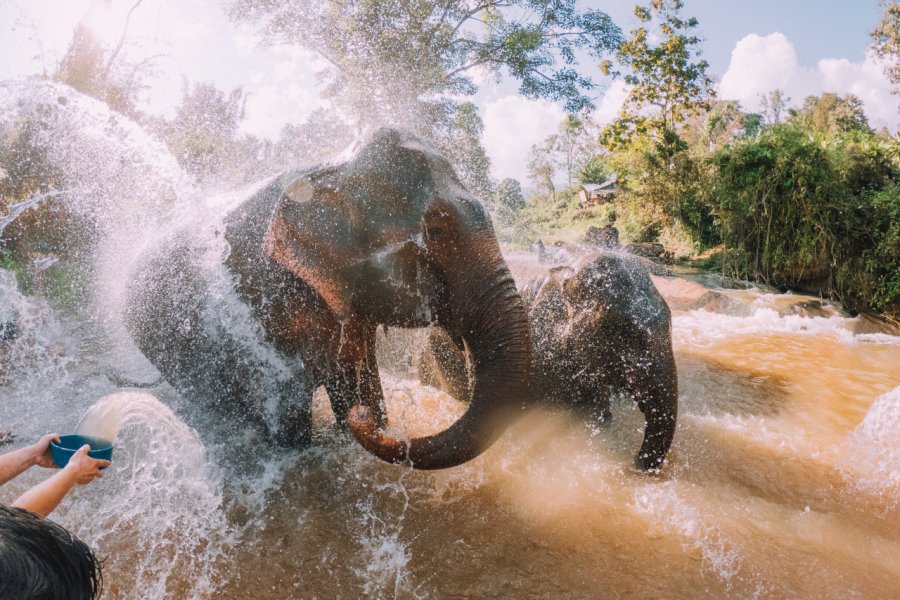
683, 295
602, 237
646, 249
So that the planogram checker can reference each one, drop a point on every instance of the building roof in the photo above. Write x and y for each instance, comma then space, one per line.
599, 187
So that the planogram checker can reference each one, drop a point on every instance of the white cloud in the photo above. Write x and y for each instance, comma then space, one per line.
611, 103
513, 124
866, 80
762, 64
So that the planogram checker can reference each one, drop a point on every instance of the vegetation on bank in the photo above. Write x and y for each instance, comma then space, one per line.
803, 198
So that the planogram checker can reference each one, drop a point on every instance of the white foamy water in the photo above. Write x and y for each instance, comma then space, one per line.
872, 452
782, 481
701, 327
161, 501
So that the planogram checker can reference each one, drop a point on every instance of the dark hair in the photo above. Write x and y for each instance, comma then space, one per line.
39, 560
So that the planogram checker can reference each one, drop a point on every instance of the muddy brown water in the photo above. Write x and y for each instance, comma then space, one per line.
783, 481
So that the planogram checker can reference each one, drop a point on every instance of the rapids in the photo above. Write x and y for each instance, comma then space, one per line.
783, 481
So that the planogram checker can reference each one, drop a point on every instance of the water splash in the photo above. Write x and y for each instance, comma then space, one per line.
161, 499
872, 451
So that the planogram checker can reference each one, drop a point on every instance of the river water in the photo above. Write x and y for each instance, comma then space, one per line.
783, 480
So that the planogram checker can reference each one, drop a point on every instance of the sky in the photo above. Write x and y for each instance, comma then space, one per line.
802, 47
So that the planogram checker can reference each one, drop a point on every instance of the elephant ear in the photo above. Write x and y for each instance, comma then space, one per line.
309, 236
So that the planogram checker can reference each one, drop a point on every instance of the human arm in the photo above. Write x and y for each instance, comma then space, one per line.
46, 496
18, 461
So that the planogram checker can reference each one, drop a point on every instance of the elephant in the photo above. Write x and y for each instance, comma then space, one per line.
286, 291
598, 327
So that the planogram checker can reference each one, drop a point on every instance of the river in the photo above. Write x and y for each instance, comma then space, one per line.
783, 480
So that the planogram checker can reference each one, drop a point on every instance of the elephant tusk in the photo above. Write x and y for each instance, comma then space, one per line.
362, 423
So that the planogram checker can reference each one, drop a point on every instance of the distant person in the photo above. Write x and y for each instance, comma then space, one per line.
38, 558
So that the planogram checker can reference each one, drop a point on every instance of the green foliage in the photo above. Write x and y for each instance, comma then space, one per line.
668, 83
398, 62
774, 106
462, 146
594, 170
886, 42
203, 134
509, 194
540, 167
797, 213
830, 115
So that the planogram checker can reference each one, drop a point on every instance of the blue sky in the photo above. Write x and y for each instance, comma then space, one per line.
801, 46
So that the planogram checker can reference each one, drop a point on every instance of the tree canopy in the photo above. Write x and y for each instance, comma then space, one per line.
404, 60
886, 41
668, 80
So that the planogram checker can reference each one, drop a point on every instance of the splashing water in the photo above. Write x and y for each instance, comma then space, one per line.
782, 481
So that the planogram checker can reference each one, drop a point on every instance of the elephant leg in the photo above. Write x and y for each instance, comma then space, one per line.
593, 394
443, 365
654, 385
295, 414
355, 379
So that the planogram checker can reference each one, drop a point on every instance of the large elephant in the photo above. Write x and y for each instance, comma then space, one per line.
598, 327
311, 265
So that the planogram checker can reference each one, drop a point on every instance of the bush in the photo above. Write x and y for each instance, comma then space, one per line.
799, 213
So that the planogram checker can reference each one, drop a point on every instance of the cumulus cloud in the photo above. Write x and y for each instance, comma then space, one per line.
611, 103
762, 64
513, 124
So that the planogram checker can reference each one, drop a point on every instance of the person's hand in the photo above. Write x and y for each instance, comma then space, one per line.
41, 454
83, 468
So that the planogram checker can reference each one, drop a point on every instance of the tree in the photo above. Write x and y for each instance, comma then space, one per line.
322, 135
594, 170
462, 145
203, 134
667, 83
831, 115
509, 194
92, 70
540, 168
886, 42
402, 61
773, 106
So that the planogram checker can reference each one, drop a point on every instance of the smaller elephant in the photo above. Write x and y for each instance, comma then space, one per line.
598, 327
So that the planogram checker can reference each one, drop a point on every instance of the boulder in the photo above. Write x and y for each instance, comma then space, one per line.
602, 237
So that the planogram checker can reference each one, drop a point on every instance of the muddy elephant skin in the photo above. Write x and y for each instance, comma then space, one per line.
599, 327
320, 258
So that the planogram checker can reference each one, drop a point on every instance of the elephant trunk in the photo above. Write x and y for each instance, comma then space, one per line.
489, 314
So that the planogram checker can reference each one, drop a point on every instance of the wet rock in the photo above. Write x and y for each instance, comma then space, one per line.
812, 308
646, 249
681, 294
870, 323
602, 237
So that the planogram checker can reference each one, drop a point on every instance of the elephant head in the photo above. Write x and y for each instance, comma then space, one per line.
391, 237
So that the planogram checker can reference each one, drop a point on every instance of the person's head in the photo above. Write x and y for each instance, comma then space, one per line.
40, 559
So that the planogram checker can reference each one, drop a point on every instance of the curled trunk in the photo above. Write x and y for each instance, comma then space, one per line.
489, 314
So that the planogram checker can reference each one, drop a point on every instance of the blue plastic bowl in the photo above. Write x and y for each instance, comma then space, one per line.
69, 444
